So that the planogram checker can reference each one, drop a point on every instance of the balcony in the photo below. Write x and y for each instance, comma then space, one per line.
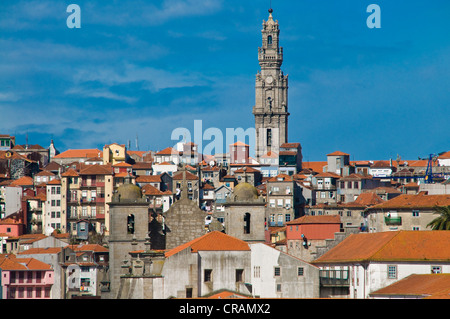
92, 184
392, 220
334, 278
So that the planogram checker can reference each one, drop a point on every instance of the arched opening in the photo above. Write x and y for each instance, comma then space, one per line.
247, 223
269, 40
130, 224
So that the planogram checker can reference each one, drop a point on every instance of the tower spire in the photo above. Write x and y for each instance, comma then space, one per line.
271, 100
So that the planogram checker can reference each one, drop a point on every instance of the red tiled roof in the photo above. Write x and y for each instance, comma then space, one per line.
316, 219
79, 153
70, 173
23, 181
212, 241
419, 285
151, 190
48, 250
315, 166
11, 262
45, 173
337, 153
328, 174
355, 176
444, 155
167, 151
148, 179
248, 169
96, 169
289, 145
88, 247
54, 182
283, 177
391, 246
122, 164
420, 200
189, 176
13, 155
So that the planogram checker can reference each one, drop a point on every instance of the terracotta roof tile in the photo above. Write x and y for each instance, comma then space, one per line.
391, 246
189, 176
419, 285
337, 153
23, 181
281, 178
316, 219
12, 262
212, 241
70, 173
420, 200
96, 170
48, 250
79, 153
168, 151
148, 179
289, 145
88, 247
328, 174
151, 190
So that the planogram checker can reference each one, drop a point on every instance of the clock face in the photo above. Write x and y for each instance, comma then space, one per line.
269, 80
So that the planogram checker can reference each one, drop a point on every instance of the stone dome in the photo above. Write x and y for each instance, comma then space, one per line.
128, 192
244, 192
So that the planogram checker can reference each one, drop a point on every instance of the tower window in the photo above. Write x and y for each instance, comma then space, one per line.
247, 223
130, 224
269, 137
269, 40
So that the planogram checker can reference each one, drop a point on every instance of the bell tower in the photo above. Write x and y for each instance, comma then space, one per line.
271, 97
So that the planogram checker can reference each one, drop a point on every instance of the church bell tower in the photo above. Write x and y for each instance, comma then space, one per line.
271, 96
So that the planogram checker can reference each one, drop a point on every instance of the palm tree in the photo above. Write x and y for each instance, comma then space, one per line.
443, 221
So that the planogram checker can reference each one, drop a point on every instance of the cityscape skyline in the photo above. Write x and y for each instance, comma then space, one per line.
142, 70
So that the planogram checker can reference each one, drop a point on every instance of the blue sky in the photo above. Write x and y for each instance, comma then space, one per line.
143, 68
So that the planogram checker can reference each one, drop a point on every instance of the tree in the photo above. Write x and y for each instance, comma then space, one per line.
443, 221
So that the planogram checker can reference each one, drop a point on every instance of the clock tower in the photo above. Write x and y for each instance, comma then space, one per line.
271, 98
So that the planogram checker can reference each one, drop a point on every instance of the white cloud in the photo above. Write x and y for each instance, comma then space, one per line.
154, 79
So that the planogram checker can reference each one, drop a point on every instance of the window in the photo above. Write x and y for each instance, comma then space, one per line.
239, 275
21, 291
269, 137
247, 223
277, 272
208, 275
269, 40
256, 271
130, 224
436, 269
392, 272
415, 213
300, 271
278, 287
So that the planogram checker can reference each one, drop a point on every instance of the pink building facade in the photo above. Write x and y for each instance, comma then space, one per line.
25, 278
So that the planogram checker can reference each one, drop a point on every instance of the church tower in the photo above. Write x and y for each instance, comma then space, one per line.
271, 96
